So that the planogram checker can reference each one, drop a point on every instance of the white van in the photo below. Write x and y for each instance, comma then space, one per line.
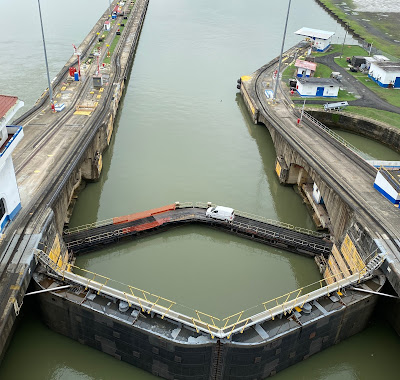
220, 212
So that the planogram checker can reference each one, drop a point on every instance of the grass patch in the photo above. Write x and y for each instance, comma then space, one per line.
379, 43
390, 118
348, 51
322, 71
288, 73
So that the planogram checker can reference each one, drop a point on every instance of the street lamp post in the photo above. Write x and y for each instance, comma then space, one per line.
45, 58
344, 40
280, 57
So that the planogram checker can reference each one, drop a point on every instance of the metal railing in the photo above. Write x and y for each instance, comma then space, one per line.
334, 135
88, 226
205, 205
394, 179
202, 322
94, 239
278, 235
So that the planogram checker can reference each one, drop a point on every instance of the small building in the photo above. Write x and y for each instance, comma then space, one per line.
387, 182
320, 39
368, 61
10, 136
107, 25
385, 73
325, 87
305, 68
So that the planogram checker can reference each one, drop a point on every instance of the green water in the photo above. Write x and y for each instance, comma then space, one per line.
183, 134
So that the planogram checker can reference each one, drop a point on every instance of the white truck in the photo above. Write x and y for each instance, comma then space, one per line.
220, 212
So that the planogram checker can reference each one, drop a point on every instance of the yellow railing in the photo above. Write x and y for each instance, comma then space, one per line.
284, 304
149, 302
390, 175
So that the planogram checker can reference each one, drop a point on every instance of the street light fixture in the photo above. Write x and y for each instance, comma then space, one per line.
280, 57
45, 58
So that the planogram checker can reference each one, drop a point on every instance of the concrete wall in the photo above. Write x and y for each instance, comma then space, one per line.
291, 163
384, 133
218, 360
9, 192
44, 240
89, 167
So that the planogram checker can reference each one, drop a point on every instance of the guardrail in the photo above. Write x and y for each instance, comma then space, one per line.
395, 181
334, 135
151, 303
205, 205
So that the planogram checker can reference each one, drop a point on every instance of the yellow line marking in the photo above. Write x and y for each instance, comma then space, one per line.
63, 88
98, 96
102, 89
37, 171
83, 113
14, 287
58, 96
245, 78
50, 155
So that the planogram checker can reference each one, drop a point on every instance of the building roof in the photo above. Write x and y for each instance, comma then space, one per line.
305, 64
388, 65
316, 81
321, 34
6, 104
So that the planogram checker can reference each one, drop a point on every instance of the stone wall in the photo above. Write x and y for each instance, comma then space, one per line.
373, 129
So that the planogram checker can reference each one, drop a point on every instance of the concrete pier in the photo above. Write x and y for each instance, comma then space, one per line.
344, 179
61, 149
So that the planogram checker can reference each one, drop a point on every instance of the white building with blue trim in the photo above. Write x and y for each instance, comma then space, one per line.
385, 73
321, 87
320, 40
387, 182
10, 136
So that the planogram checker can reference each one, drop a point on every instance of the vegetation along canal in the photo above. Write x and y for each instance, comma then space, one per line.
183, 134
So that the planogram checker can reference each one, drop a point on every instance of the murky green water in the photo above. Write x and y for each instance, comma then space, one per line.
183, 134
373, 149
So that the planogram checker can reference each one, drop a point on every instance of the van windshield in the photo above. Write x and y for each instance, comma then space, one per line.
212, 209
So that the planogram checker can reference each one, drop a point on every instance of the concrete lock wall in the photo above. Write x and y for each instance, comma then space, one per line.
294, 169
218, 360
373, 129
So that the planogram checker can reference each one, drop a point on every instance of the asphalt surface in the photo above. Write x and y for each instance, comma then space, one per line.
367, 98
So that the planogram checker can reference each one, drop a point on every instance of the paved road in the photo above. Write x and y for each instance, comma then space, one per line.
367, 97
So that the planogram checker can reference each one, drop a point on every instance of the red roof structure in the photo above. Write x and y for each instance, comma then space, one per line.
6, 103
306, 65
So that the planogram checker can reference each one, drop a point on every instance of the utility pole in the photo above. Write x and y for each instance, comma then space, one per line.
344, 39
45, 58
280, 57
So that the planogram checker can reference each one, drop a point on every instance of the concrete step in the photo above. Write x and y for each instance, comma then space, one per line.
334, 268
344, 267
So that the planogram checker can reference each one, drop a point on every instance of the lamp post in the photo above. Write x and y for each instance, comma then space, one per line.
344, 39
45, 58
280, 57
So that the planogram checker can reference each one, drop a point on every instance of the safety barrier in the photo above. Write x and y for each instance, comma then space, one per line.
205, 205
334, 135
202, 322
260, 231
394, 180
